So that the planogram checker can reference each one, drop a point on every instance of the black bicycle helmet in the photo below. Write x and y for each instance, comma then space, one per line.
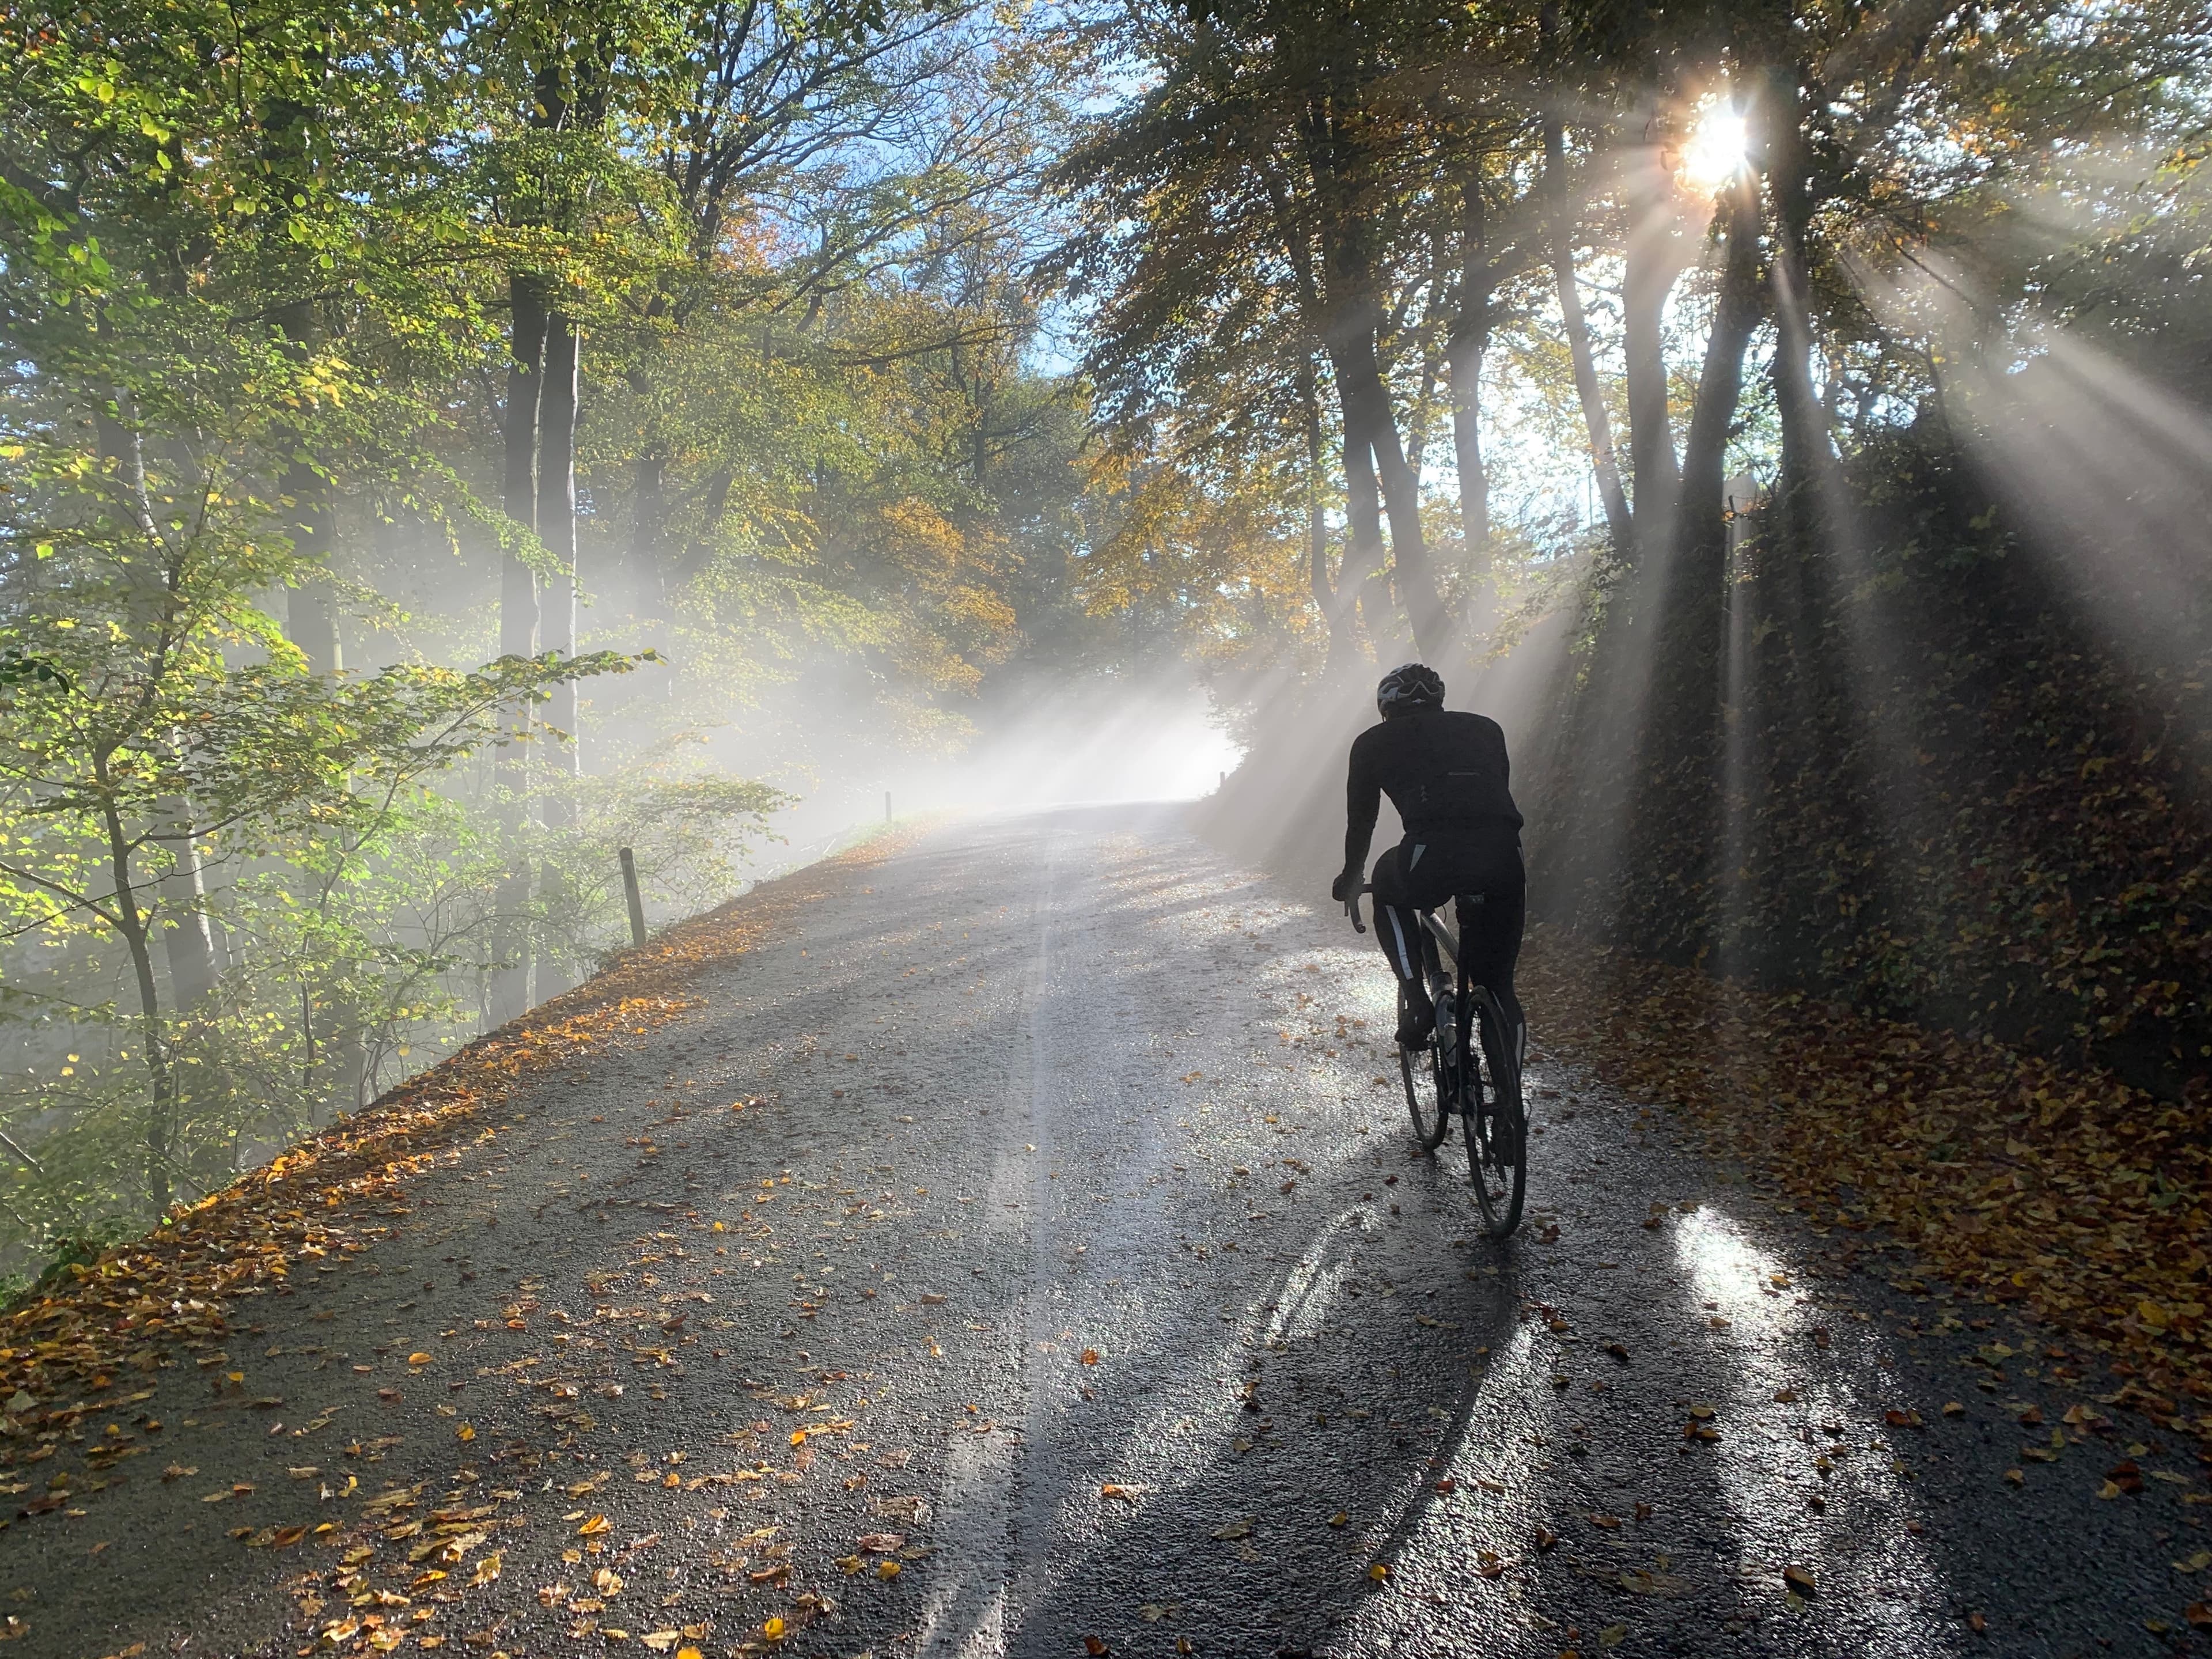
1412, 685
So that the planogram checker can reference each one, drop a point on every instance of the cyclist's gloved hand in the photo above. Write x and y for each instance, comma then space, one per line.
1342, 887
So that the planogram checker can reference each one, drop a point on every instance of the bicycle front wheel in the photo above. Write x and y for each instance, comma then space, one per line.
1495, 1126
1424, 1095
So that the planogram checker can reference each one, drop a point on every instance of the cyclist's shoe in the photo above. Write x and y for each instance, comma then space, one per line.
1417, 1016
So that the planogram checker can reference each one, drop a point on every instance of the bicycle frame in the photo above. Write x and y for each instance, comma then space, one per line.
1444, 935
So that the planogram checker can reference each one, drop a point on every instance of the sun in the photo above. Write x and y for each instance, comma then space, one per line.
1718, 149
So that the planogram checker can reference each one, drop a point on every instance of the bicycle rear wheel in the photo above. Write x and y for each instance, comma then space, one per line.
1495, 1126
1425, 1099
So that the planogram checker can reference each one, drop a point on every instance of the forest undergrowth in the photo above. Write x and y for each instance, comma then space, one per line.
2052, 1188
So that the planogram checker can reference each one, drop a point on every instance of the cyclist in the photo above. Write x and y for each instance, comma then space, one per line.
1446, 772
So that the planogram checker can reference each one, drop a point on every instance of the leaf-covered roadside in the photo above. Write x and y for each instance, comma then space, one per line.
133, 1306
2061, 1190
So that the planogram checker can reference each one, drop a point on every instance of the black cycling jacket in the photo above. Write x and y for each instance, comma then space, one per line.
1444, 770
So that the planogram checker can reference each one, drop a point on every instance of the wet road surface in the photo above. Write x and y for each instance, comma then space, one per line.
1065, 1281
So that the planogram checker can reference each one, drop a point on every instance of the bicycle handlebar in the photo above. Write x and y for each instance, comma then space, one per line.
1352, 905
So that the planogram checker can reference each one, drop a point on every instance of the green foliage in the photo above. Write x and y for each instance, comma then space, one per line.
255, 269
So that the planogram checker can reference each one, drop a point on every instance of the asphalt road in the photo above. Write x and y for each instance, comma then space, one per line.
1077, 1283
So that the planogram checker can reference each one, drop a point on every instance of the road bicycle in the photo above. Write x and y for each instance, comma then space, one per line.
1479, 1081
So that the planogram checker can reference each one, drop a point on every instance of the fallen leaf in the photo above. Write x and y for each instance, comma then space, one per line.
1234, 1529
597, 1524
1091, 1356
419, 1359
1799, 1579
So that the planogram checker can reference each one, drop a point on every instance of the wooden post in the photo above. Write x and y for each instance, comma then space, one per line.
887, 806
636, 901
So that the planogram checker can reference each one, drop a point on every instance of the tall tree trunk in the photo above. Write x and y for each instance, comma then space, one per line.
557, 514
1652, 264
1677, 825
1365, 402
557, 528
518, 637
1465, 350
1473, 476
188, 943
160, 1077
1362, 552
657, 578
310, 614
1701, 528
649, 527
650, 546
1334, 600
517, 597
1807, 455
311, 620
328, 1030
1350, 316
1597, 420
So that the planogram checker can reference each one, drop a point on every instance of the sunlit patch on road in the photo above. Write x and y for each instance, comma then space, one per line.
1810, 1468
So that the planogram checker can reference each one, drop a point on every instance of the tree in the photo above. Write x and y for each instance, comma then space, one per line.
140, 710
